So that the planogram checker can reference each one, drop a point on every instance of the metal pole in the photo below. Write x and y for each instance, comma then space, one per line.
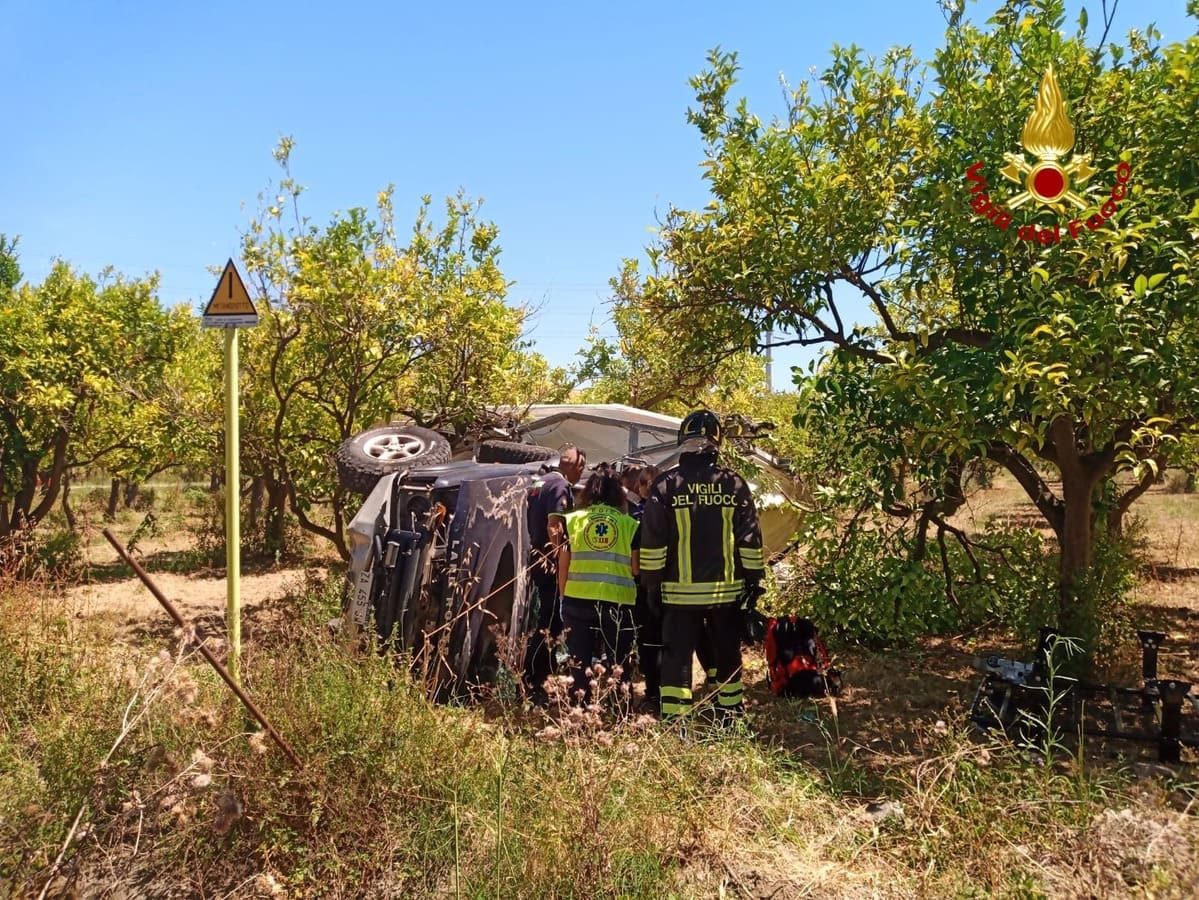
232, 508
207, 654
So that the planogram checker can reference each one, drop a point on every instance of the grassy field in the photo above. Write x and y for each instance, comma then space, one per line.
127, 770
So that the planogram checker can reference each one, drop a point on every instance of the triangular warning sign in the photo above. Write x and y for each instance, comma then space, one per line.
230, 303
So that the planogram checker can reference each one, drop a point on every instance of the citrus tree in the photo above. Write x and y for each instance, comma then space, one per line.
644, 366
84, 369
357, 323
973, 306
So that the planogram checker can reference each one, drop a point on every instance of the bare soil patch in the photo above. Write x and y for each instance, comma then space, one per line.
129, 606
167, 539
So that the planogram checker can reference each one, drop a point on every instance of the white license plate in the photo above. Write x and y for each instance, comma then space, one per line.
362, 596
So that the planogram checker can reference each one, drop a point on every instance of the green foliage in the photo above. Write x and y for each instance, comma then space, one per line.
93, 372
864, 581
10, 268
58, 556
1076, 354
643, 366
860, 590
355, 325
1101, 622
412, 799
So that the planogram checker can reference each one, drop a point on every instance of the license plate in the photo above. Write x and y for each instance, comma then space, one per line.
362, 596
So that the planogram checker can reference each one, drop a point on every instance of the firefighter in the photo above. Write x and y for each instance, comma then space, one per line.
596, 569
702, 564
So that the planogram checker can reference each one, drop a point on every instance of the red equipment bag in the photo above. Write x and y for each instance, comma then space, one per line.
797, 659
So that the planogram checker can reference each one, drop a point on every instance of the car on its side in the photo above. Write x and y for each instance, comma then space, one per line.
439, 546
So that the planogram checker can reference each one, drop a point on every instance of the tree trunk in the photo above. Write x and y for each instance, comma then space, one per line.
66, 503
1077, 534
132, 491
114, 497
257, 493
274, 538
1078, 616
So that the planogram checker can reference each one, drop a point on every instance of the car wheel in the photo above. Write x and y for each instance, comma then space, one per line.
512, 452
365, 458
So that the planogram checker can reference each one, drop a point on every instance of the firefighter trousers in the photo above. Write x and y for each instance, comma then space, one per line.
683, 628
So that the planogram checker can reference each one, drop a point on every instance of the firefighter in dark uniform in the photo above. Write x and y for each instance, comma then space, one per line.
702, 563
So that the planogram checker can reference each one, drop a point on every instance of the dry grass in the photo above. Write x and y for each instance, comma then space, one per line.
891, 797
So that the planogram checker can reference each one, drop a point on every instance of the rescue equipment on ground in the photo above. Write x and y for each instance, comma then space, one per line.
797, 659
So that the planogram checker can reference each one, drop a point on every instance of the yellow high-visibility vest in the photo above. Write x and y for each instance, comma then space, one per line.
601, 554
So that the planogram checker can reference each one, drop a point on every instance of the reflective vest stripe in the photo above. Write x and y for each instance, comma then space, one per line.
602, 578
752, 559
699, 594
726, 541
601, 556
730, 694
676, 701
705, 587
653, 557
682, 518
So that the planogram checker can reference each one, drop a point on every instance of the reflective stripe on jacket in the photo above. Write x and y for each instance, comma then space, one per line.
700, 535
601, 555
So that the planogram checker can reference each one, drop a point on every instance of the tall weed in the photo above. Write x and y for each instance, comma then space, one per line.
400, 797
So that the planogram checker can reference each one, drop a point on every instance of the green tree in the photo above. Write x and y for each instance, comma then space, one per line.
168, 413
646, 367
478, 361
77, 356
357, 324
10, 269
1076, 356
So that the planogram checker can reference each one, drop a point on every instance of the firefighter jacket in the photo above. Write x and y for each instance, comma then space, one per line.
601, 555
700, 535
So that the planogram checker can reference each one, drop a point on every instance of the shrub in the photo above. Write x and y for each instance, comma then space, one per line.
1180, 481
862, 583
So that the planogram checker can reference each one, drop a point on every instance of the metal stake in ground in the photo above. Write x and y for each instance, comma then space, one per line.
207, 654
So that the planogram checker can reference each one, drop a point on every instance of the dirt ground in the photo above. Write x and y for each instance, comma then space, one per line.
132, 609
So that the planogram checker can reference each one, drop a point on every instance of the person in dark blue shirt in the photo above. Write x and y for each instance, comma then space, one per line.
553, 495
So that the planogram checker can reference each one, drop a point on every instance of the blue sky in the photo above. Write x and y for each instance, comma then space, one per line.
138, 134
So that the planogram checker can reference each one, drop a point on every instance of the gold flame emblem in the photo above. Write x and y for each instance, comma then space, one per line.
1048, 134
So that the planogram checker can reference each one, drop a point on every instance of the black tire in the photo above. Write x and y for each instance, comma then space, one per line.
512, 452
365, 458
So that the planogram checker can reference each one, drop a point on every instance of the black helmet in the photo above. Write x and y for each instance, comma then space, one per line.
701, 424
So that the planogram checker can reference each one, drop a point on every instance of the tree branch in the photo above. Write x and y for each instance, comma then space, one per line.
1049, 504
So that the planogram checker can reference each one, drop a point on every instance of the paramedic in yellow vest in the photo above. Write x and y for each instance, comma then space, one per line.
701, 560
596, 569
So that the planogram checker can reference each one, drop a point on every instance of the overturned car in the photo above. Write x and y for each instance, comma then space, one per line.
439, 548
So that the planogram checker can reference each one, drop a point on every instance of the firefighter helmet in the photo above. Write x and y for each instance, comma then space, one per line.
701, 425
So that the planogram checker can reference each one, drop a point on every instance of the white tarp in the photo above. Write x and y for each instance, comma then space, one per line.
612, 432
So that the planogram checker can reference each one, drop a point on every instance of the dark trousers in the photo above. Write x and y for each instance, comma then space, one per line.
597, 630
539, 654
649, 646
705, 651
683, 627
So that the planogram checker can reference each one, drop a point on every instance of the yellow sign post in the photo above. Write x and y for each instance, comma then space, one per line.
231, 308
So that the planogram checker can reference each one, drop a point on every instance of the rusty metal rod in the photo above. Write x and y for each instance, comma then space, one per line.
212, 660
